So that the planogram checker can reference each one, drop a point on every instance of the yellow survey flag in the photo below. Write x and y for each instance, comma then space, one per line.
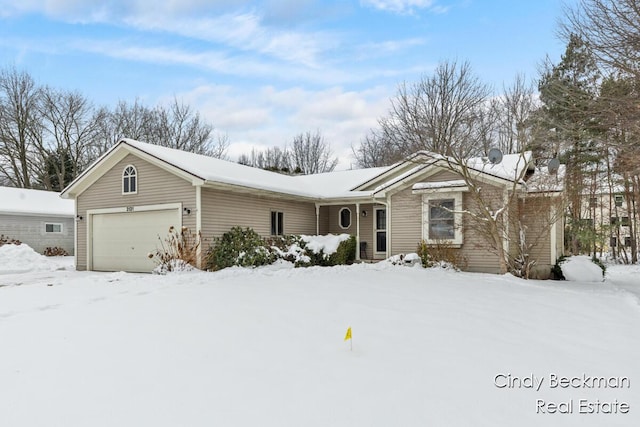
348, 336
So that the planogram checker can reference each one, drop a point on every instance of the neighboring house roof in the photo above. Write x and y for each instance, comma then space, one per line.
34, 202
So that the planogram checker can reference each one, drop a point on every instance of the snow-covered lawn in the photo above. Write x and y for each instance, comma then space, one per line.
265, 347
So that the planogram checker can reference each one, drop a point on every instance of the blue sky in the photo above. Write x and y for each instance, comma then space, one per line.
264, 71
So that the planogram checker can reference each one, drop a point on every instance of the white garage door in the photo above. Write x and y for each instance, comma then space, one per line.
122, 241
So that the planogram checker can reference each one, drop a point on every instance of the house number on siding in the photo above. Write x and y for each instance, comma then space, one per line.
129, 208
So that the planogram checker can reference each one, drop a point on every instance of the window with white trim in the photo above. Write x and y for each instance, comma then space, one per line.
129, 180
53, 228
344, 218
442, 217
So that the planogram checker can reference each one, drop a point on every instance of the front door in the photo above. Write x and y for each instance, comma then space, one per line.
380, 230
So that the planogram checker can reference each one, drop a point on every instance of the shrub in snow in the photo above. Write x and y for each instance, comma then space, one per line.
289, 248
441, 254
330, 249
177, 246
55, 251
6, 240
174, 265
241, 247
409, 259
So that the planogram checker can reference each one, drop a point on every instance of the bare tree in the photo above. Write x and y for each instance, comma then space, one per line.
20, 127
448, 112
312, 154
273, 159
175, 126
69, 129
611, 28
375, 151
515, 108
439, 113
179, 126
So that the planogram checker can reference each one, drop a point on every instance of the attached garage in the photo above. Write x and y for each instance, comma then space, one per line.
120, 239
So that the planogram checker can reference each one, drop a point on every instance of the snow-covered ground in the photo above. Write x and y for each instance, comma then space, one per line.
265, 347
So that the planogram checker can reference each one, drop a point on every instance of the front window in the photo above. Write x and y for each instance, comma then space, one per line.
277, 223
441, 219
344, 217
129, 180
53, 228
619, 199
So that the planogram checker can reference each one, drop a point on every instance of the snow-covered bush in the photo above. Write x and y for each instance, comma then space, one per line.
330, 249
246, 248
579, 268
177, 246
290, 248
6, 240
440, 254
241, 247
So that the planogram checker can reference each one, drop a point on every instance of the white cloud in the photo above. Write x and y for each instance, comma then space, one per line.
398, 6
267, 117
242, 29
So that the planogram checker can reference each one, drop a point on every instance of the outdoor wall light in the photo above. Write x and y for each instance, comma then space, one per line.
364, 213
187, 211
78, 217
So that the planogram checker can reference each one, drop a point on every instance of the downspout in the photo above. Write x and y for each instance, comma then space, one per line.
317, 219
357, 231
553, 237
506, 218
199, 225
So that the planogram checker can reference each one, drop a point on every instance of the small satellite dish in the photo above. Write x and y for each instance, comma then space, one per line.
553, 166
495, 156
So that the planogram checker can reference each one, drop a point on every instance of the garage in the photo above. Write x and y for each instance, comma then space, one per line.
122, 240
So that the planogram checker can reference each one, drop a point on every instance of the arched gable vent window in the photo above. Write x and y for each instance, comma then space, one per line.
345, 218
129, 180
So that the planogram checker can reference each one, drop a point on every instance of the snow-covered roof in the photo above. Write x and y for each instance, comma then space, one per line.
512, 166
35, 202
330, 184
439, 184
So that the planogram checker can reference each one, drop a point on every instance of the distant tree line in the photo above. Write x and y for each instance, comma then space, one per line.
48, 136
308, 153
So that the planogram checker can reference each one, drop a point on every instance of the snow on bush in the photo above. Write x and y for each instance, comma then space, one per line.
22, 258
581, 269
326, 244
173, 266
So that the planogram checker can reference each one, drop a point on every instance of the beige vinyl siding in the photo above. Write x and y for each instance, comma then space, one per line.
222, 210
323, 220
406, 221
406, 225
444, 175
476, 250
538, 229
155, 186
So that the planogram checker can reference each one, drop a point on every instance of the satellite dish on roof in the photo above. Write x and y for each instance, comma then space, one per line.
553, 166
495, 156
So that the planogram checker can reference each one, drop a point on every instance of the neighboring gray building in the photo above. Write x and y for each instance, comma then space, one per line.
37, 218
